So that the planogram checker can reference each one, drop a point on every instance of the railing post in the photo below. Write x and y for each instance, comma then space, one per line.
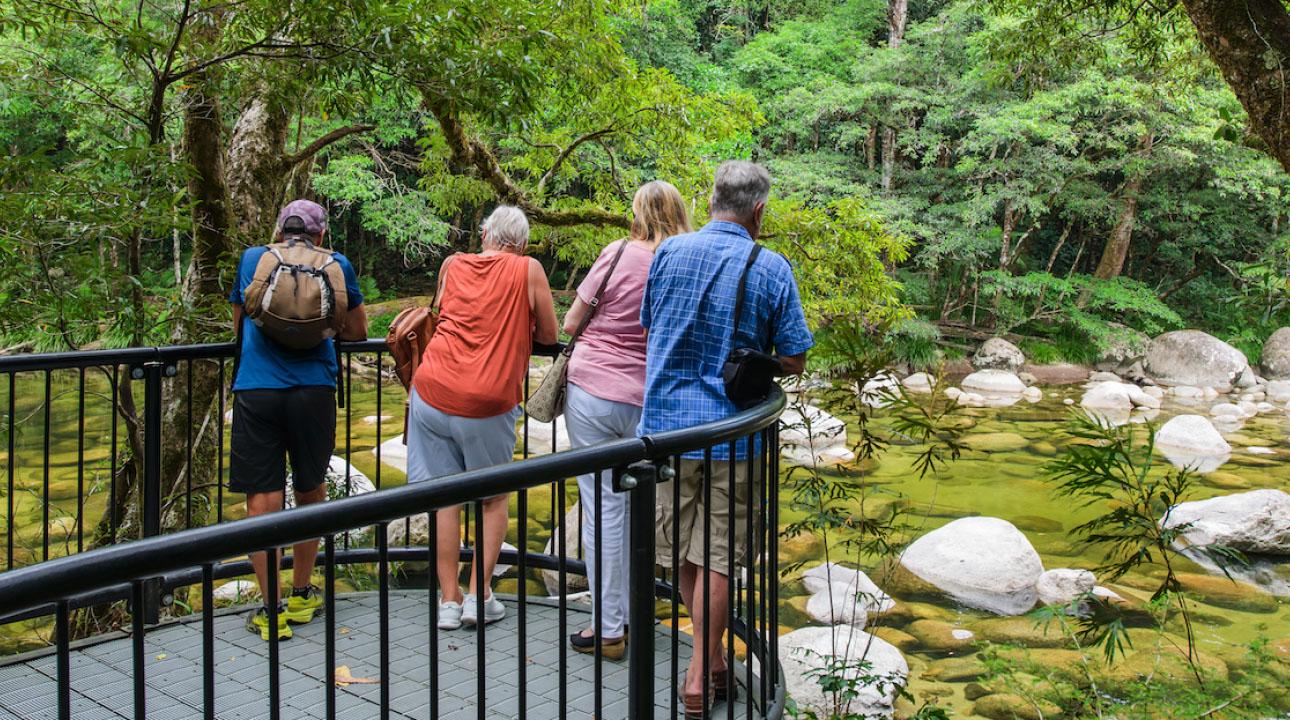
640, 480
151, 372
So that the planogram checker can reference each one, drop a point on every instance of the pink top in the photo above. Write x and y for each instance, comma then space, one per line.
609, 359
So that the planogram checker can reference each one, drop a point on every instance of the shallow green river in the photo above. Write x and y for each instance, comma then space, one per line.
1000, 476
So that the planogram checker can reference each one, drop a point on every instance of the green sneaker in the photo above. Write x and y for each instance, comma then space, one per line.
301, 608
258, 622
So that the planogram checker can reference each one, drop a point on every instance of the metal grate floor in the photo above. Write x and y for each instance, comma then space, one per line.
102, 687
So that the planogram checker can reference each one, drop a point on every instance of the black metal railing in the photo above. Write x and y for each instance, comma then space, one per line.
192, 559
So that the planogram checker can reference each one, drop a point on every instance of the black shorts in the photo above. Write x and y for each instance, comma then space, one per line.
271, 425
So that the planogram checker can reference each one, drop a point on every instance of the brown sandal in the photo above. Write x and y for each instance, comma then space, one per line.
720, 691
694, 705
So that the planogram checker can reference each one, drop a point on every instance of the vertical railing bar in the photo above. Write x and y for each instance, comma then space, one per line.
562, 573
379, 423
521, 564
641, 543
136, 629
44, 554
329, 599
219, 450
732, 597
349, 438
772, 533
188, 448
597, 593
208, 642
12, 462
383, 567
707, 580
271, 597
433, 587
766, 576
676, 583
80, 462
63, 631
752, 563
113, 520
481, 590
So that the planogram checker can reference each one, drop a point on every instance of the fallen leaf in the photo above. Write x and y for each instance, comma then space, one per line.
343, 631
161, 656
344, 678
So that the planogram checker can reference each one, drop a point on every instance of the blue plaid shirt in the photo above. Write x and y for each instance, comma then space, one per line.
689, 310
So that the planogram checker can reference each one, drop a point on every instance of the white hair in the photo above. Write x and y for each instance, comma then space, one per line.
738, 188
507, 228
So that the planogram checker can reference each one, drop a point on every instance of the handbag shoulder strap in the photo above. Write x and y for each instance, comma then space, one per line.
595, 300
739, 294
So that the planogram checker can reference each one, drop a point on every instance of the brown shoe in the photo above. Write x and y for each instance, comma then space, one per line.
694, 704
614, 649
721, 692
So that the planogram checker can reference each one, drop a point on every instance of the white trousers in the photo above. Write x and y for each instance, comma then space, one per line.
591, 421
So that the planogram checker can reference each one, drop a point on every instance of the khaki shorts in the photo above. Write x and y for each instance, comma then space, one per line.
691, 513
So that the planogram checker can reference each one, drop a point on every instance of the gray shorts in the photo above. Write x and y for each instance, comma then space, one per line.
440, 444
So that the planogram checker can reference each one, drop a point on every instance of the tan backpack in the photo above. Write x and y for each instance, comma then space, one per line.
297, 295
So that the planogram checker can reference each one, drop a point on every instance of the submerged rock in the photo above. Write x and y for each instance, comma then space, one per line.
939, 636
1191, 441
1062, 585
1253, 522
996, 441
805, 652
1191, 357
981, 562
1005, 706
1225, 593
998, 354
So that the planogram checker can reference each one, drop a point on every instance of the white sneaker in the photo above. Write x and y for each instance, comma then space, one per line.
449, 615
494, 610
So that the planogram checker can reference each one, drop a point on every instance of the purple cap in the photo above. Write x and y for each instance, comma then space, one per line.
312, 217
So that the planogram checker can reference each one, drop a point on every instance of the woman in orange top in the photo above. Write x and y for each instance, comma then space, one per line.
467, 390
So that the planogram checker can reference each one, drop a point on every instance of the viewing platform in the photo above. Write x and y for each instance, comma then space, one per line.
102, 685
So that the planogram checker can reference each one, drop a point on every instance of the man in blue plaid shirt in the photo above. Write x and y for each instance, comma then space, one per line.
688, 311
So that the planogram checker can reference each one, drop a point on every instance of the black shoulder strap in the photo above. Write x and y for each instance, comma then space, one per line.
739, 294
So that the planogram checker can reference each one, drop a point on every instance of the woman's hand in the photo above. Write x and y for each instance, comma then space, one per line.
574, 317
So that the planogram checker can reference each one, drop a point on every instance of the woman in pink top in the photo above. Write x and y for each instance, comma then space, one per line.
606, 391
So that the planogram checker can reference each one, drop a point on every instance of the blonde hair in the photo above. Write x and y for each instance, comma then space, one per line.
659, 212
507, 228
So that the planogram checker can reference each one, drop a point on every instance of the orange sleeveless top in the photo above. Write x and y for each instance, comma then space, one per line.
475, 364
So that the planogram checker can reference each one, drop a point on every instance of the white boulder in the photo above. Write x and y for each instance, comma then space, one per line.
879, 390
1116, 395
1033, 394
1227, 409
394, 453
810, 436
1257, 521
854, 582
1062, 585
1276, 355
919, 382
1192, 441
343, 480
834, 605
1278, 391
574, 583
982, 562
1191, 357
540, 436
804, 653
236, 591
998, 354
1000, 382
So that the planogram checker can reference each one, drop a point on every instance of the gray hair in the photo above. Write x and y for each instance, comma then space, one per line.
507, 228
739, 186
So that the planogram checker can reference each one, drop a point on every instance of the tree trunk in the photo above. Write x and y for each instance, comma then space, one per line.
1250, 43
871, 147
257, 172
1117, 246
1005, 255
897, 17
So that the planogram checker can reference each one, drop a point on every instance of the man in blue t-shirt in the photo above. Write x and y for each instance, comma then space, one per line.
688, 309
284, 405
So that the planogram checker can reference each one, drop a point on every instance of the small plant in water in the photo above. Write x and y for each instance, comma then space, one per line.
1114, 470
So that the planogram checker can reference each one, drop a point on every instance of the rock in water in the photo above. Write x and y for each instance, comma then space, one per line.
855, 582
998, 354
1276, 355
1062, 585
1191, 357
540, 436
836, 605
804, 653
237, 591
994, 381
1191, 441
1253, 522
574, 583
919, 382
394, 453
879, 390
981, 562
1116, 395
1278, 391
810, 436
1122, 348
339, 483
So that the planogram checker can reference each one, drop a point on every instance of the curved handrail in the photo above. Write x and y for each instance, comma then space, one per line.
37, 585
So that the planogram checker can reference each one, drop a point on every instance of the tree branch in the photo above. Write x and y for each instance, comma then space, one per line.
564, 154
468, 153
318, 145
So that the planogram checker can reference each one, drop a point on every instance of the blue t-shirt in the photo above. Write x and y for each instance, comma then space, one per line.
689, 310
266, 365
